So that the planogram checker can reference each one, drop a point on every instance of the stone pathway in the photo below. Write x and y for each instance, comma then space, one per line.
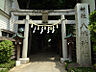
42, 62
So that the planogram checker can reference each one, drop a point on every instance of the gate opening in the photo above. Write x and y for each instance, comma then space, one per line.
45, 43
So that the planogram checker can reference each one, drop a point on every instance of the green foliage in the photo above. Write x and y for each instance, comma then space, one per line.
67, 64
70, 29
81, 69
92, 28
6, 50
8, 65
4, 70
48, 4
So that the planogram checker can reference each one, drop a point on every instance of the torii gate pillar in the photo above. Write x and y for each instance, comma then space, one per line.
64, 42
24, 58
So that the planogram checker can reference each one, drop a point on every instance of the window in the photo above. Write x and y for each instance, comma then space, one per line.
4, 34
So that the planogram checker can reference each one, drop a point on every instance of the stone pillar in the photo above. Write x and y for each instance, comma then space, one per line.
25, 42
64, 42
91, 3
83, 48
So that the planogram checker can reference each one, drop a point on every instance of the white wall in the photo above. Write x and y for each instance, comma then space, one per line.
4, 22
91, 3
2, 4
5, 10
8, 6
5, 5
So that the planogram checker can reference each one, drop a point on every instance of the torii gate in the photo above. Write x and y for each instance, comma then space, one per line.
81, 13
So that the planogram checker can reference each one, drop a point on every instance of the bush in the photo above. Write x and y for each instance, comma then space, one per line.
6, 50
4, 70
92, 28
66, 64
81, 69
8, 65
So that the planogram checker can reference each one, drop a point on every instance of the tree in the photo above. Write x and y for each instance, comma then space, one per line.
47, 4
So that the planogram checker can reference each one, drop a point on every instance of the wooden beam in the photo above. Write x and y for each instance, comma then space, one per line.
40, 21
6, 38
7, 31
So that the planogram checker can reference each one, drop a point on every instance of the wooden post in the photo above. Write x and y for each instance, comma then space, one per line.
18, 51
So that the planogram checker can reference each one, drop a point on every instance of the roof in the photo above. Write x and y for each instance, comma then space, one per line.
69, 35
7, 31
18, 35
5, 38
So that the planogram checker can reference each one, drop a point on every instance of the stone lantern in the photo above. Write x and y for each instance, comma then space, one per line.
19, 41
70, 44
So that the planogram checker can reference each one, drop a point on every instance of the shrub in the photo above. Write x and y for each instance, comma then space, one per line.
81, 69
66, 64
6, 50
92, 28
4, 70
8, 65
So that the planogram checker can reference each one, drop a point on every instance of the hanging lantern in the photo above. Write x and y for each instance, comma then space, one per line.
44, 27
31, 25
57, 26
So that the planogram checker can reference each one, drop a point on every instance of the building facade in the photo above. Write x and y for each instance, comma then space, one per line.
5, 14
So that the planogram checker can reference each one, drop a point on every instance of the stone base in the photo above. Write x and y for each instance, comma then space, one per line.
24, 60
18, 63
62, 60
